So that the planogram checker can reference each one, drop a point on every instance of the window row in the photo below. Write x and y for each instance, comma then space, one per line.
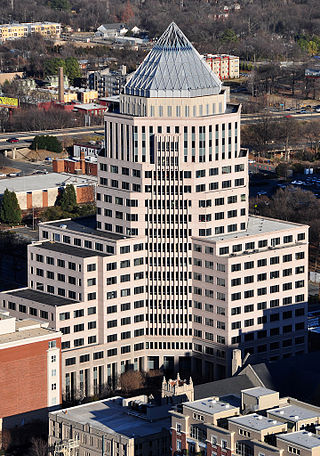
265, 261
273, 242
78, 343
124, 171
272, 303
222, 201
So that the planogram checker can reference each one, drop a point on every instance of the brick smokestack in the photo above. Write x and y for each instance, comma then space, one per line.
61, 86
82, 162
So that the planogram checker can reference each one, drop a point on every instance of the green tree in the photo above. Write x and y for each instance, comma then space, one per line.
10, 211
60, 5
51, 66
46, 142
67, 199
72, 68
229, 35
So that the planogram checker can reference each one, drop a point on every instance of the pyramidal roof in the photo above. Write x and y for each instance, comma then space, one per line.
173, 68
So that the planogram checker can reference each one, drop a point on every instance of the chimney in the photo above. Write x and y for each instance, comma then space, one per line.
236, 362
61, 86
82, 162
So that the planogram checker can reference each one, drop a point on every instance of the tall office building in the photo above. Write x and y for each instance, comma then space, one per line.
173, 272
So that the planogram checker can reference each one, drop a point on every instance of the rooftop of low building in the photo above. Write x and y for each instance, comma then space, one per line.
44, 182
40, 297
259, 391
295, 413
110, 416
25, 329
258, 225
232, 385
301, 438
69, 249
255, 421
85, 225
211, 406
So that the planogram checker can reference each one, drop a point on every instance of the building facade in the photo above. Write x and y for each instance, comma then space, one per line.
223, 65
41, 191
257, 423
115, 426
174, 270
17, 31
30, 374
107, 82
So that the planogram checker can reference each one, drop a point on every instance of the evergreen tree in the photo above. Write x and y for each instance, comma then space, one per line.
72, 69
10, 211
46, 142
67, 199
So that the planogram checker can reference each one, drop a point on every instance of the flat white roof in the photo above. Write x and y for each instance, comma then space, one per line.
294, 413
259, 391
256, 226
90, 106
255, 421
43, 182
210, 405
301, 438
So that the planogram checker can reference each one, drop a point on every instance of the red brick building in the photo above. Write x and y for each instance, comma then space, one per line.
223, 65
30, 379
81, 166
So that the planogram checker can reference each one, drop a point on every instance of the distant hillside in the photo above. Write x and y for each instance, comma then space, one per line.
252, 29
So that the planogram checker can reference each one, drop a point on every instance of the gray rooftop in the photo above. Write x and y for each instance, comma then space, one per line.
301, 438
109, 416
255, 421
114, 26
211, 406
44, 182
231, 385
256, 226
173, 68
69, 250
259, 391
39, 296
85, 225
294, 413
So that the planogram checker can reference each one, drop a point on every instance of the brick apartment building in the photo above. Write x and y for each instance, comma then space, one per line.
82, 166
223, 65
30, 370
258, 423
172, 272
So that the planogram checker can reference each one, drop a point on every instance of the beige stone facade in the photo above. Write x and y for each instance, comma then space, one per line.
201, 428
115, 426
183, 274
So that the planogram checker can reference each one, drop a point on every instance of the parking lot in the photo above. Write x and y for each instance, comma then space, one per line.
261, 185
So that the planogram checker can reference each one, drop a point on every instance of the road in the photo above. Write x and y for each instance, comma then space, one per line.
26, 136
247, 119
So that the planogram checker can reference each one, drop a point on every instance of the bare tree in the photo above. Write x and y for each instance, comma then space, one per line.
39, 447
131, 381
